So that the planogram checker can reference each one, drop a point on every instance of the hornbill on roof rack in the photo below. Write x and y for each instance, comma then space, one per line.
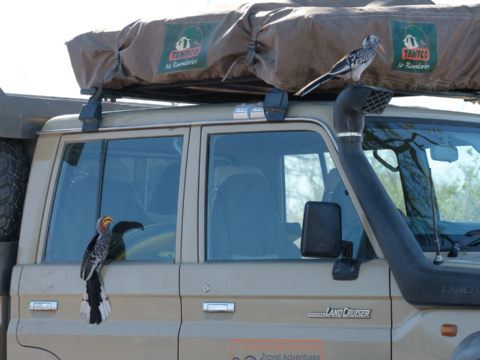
351, 65
95, 306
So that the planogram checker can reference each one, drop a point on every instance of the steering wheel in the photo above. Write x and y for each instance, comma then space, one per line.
154, 242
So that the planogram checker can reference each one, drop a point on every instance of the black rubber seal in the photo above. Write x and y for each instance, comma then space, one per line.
8, 258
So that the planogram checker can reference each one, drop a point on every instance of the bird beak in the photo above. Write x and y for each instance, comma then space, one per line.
381, 49
107, 220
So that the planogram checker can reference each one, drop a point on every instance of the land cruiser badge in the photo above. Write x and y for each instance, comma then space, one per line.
344, 313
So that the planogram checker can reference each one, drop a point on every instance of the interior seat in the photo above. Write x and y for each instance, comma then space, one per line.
119, 198
164, 199
243, 222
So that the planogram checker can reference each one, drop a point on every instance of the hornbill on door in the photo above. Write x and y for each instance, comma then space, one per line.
95, 306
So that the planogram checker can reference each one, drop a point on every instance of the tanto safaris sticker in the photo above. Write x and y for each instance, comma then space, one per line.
185, 46
414, 47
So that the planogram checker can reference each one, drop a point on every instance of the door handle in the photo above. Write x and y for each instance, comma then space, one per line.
217, 307
43, 305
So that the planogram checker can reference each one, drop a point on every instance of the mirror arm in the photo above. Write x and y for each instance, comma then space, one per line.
347, 268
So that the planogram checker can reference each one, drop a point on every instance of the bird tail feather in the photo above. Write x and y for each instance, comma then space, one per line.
314, 84
95, 306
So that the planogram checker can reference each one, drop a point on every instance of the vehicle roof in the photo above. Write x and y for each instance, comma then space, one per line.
200, 114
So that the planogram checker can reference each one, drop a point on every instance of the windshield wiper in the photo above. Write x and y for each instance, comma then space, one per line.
472, 239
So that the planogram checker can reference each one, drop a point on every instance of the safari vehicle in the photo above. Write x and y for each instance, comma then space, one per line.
217, 271
21, 117
273, 227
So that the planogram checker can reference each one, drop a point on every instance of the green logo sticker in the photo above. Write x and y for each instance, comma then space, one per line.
414, 47
185, 46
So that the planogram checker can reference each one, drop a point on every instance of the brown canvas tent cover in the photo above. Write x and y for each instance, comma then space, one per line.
287, 44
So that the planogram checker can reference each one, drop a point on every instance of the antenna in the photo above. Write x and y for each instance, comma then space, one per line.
438, 258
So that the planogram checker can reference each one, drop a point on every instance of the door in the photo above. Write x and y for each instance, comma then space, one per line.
136, 178
251, 295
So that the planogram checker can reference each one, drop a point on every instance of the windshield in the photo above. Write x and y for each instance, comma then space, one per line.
401, 154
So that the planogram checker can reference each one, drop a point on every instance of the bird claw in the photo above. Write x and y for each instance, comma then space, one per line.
361, 83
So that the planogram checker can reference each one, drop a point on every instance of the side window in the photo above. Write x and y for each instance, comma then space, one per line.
256, 199
303, 182
139, 189
140, 192
73, 220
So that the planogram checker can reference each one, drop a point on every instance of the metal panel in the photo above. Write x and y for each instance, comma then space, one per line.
145, 315
40, 182
276, 304
144, 295
273, 298
416, 333
190, 216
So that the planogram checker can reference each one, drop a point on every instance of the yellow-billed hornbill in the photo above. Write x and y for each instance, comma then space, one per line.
351, 65
95, 306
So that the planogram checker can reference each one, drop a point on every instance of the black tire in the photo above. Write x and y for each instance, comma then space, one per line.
14, 171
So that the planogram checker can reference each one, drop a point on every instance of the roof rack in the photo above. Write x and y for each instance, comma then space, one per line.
467, 95
214, 91
238, 90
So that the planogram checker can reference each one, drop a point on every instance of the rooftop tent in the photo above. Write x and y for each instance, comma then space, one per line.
284, 44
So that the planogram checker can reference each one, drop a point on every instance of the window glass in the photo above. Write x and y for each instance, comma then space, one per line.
303, 182
258, 184
140, 192
453, 154
385, 164
457, 184
73, 216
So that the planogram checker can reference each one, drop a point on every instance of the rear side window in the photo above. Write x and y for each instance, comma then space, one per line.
258, 184
138, 187
74, 210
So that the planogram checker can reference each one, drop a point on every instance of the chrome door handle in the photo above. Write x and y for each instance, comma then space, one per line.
43, 305
218, 307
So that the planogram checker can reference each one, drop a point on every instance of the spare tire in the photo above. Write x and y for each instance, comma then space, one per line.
14, 171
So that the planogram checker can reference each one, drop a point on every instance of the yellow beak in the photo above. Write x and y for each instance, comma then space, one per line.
381, 49
107, 220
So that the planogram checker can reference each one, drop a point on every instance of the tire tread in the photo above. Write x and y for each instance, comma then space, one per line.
14, 171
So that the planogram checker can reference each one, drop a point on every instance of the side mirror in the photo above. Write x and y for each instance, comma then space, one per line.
322, 238
322, 230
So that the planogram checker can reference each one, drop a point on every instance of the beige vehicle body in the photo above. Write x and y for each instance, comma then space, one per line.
160, 308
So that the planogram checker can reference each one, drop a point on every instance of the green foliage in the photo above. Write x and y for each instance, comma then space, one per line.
458, 194
389, 179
